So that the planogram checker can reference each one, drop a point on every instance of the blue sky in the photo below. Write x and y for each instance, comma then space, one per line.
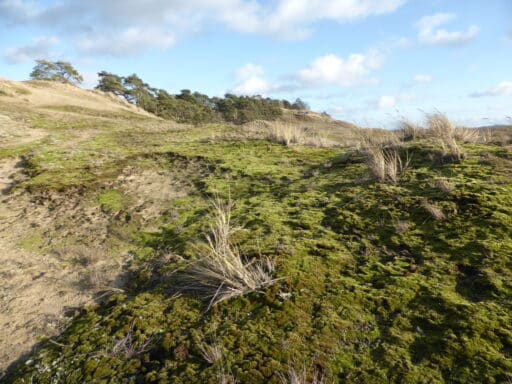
365, 61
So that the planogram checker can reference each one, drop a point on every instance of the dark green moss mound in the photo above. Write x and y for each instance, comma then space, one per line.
374, 288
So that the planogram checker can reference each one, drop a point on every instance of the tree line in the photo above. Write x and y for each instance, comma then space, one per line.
184, 107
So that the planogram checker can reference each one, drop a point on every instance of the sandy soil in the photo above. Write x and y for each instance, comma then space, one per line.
34, 288
52, 249
47, 93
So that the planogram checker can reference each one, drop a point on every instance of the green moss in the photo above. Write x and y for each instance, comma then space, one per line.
112, 201
360, 298
33, 242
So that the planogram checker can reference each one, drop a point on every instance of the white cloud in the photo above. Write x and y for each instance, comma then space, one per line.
501, 89
247, 71
105, 22
250, 82
334, 70
292, 18
422, 79
391, 101
40, 48
386, 102
127, 42
429, 31
281, 18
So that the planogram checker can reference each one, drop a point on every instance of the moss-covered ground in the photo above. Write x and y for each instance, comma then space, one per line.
372, 289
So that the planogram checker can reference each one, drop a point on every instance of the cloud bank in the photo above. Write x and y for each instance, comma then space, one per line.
125, 27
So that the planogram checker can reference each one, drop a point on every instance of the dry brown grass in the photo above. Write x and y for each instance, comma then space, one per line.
302, 377
386, 164
445, 134
290, 134
221, 272
212, 353
443, 185
127, 346
377, 137
434, 211
410, 131
468, 135
401, 226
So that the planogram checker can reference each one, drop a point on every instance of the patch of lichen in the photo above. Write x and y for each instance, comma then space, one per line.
373, 288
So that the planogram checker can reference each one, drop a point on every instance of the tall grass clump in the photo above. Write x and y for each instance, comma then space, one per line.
386, 164
286, 134
221, 272
409, 131
289, 134
445, 134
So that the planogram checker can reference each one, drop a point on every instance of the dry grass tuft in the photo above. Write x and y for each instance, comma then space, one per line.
290, 134
126, 346
410, 131
445, 134
443, 185
468, 135
401, 226
212, 353
221, 272
301, 377
386, 163
433, 210
369, 137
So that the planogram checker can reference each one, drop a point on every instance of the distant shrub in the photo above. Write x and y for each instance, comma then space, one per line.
221, 273
190, 107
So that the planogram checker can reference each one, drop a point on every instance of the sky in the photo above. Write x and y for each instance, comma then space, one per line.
372, 62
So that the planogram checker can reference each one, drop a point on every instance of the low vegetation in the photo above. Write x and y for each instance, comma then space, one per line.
384, 266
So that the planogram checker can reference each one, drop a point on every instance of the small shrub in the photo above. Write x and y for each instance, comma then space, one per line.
221, 273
